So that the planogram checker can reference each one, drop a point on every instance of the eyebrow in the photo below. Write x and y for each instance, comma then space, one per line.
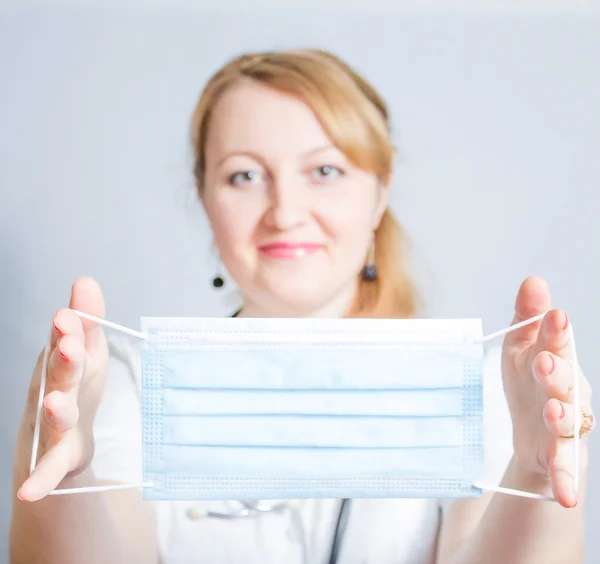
257, 157
319, 149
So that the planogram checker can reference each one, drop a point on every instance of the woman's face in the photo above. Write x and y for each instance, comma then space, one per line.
293, 219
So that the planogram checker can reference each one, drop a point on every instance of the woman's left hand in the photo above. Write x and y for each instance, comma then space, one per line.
538, 375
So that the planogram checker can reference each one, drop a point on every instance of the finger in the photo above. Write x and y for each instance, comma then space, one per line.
554, 375
560, 470
533, 298
559, 418
61, 411
49, 472
554, 335
65, 322
66, 364
86, 296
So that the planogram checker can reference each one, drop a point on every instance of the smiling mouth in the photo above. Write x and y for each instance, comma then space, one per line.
284, 250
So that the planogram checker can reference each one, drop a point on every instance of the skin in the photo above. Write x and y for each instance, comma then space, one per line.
265, 185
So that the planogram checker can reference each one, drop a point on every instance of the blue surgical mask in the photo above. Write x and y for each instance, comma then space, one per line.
306, 408
295, 408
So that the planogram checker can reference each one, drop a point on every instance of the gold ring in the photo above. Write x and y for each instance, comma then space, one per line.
588, 422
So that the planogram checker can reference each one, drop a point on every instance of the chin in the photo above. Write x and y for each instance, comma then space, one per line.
296, 295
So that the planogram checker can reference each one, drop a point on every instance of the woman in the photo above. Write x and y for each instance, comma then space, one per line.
293, 164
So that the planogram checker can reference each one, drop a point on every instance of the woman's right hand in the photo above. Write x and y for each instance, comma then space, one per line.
76, 373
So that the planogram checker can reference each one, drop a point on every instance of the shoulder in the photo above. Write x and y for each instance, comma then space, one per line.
117, 425
493, 388
492, 375
124, 364
492, 360
497, 422
124, 349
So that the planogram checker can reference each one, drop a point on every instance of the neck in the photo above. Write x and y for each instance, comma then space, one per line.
337, 307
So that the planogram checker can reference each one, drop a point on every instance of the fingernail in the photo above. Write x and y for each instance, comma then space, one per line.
56, 326
19, 495
49, 414
566, 322
553, 367
562, 410
61, 353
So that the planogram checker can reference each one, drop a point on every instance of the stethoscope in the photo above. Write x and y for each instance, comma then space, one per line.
247, 509
255, 508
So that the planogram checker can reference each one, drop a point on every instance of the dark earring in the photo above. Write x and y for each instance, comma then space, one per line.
218, 281
369, 272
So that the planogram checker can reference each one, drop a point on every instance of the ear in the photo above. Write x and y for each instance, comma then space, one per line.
382, 200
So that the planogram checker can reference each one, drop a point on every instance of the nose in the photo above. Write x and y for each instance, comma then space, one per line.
289, 205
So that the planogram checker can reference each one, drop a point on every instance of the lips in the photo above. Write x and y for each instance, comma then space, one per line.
289, 250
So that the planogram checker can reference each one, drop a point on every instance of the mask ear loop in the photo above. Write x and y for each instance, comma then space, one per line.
576, 408
40, 406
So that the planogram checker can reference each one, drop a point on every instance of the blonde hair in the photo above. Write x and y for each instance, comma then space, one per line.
357, 121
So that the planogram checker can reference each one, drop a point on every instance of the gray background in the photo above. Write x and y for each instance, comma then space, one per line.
497, 119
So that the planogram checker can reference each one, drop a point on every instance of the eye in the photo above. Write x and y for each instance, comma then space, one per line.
327, 172
245, 177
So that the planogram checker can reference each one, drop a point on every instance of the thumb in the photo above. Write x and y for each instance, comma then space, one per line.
533, 299
86, 296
